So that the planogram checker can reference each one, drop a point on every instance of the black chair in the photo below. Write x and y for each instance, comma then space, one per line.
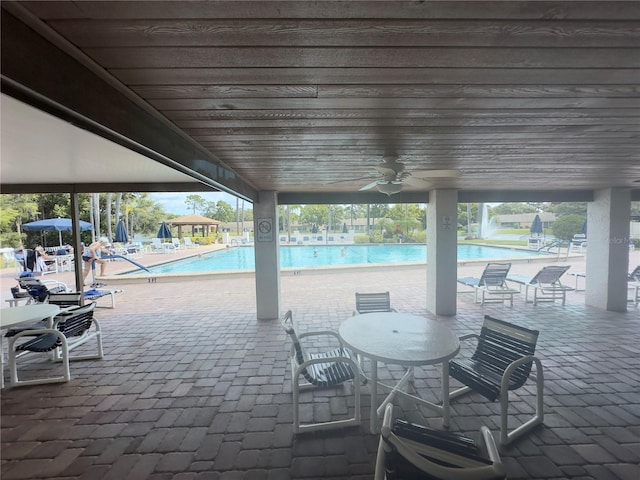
407, 451
40, 290
502, 362
327, 369
70, 329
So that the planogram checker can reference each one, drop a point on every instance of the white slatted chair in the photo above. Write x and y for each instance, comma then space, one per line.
407, 451
71, 328
502, 362
320, 370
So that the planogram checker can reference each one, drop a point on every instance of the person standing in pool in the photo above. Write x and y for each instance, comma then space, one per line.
93, 253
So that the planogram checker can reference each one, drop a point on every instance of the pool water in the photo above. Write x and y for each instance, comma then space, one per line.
242, 258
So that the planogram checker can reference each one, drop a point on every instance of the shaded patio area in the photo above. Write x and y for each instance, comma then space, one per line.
193, 387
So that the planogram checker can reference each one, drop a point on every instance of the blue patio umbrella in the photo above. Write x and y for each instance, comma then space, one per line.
121, 233
164, 232
314, 228
55, 225
584, 227
344, 228
536, 226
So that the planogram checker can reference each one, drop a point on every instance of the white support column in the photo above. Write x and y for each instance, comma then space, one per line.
442, 252
608, 249
265, 229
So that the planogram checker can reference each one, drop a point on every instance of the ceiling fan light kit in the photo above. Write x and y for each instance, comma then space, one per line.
389, 188
393, 176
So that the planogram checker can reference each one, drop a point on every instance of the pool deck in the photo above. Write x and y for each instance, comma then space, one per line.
192, 386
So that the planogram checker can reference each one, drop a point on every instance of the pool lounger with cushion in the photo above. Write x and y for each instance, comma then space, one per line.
94, 294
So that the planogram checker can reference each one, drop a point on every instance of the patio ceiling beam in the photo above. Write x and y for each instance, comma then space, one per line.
21, 188
298, 198
49, 78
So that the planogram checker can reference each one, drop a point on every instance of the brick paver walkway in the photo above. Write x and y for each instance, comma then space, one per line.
192, 386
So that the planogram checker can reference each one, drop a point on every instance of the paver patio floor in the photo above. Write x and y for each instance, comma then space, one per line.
192, 386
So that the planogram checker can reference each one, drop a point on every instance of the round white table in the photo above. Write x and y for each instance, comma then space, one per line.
10, 317
401, 339
27, 313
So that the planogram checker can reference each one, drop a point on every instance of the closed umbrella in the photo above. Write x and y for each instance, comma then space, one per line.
344, 228
164, 232
584, 227
314, 228
55, 225
536, 226
121, 233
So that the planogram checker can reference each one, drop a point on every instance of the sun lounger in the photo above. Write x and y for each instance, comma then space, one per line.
634, 283
491, 287
546, 284
94, 294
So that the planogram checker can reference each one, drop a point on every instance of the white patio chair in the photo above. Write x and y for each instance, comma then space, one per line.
71, 328
408, 451
320, 370
502, 362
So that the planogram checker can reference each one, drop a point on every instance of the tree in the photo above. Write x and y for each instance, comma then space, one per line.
355, 211
118, 206
467, 215
108, 213
209, 210
565, 227
16, 210
407, 217
335, 217
567, 208
514, 208
196, 203
224, 212
95, 215
317, 214
379, 210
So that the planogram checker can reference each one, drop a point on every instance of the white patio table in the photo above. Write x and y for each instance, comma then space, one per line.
401, 339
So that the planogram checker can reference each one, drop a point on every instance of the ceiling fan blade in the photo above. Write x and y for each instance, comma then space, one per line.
386, 170
370, 186
417, 182
436, 173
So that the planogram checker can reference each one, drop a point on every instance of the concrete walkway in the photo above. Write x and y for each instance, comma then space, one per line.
192, 386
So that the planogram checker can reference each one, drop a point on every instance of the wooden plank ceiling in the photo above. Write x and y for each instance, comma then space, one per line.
309, 96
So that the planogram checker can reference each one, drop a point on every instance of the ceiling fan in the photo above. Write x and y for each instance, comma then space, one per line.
393, 176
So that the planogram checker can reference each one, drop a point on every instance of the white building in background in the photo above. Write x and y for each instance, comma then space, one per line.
524, 220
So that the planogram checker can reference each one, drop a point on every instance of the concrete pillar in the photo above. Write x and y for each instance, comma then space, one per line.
608, 249
265, 230
442, 252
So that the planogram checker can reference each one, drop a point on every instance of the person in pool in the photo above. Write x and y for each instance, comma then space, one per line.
93, 253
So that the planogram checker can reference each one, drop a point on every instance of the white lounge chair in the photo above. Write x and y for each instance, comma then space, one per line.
158, 246
188, 243
546, 284
492, 284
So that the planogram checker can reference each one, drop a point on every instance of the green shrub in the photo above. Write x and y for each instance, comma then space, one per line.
417, 237
565, 227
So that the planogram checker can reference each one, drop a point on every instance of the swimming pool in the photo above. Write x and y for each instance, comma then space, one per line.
304, 256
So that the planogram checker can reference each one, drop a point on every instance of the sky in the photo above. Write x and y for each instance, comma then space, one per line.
174, 202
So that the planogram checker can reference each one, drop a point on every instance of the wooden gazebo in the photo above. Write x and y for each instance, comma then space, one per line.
194, 221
